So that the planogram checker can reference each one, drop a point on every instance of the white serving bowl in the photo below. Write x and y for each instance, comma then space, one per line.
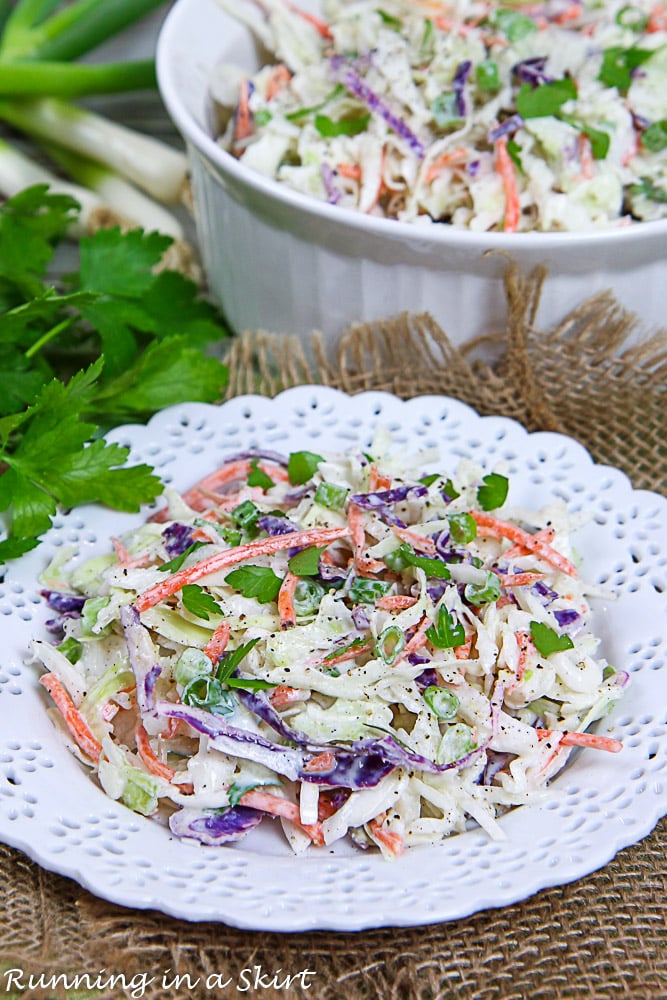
280, 261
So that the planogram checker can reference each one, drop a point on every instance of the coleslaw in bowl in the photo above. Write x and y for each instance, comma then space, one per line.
280, 260
487, 116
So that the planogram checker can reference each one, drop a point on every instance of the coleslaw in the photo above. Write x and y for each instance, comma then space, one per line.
515, 116
348, 643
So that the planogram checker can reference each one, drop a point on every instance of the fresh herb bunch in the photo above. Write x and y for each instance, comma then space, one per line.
116, 340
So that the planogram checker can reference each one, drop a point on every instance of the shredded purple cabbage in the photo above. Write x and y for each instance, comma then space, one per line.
215, 827
532, 71
141, 655
353, 82
569, 620
544, 592
458, 84
427, 678
508, 127
177, 538
360, 618
384, 498
66, 604
328, 179
495, 762
473, 169
274, 525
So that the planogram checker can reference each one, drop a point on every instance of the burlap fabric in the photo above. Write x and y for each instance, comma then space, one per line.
603, 936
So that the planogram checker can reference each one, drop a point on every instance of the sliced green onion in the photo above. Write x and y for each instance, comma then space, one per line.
331, 496
462, 528
457, 741
488, 78
445, 114
366, 591
208, 693
441, 701
191, 664
654, 138
514, 26
308, 595
633, 18
71, 648
485, 593
246, 515
390, 644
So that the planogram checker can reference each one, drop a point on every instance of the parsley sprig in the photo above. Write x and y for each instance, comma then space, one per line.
113, 341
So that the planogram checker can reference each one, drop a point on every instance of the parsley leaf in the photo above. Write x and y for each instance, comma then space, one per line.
618, 64
648, 189
198, 602
306, 562
547, 641
257, 476
329, 128
175, 564
113, 342
301, 466
493, 492
255, 581
445, 632
546, 99
230, 662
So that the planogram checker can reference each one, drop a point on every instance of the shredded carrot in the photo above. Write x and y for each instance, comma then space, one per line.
388, 838
320, 763
350, 170
570, 13
413, 538
286, 600
284, 695
519, 579
657, 19
230, 557
543, 535
526, 647
255, 798
591, 740
152, 762
417, 640
505, 169
326, 806
243, 123
504, 529
321, 27
72, 718
127, 560
346, 654
586, 157
356, 522
280, 77
217, 644
395, 602
376, 481
462, 652
453, 157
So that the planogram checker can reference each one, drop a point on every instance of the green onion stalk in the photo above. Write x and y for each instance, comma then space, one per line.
108, 167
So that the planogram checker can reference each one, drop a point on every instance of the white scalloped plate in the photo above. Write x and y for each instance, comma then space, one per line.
51, 809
